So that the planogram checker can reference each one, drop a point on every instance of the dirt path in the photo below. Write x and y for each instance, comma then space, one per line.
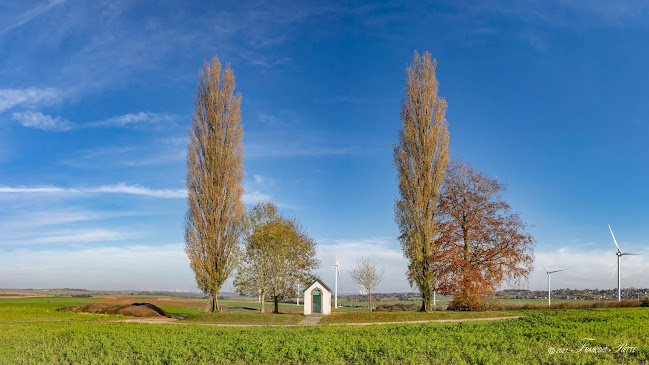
308, 321
311, 320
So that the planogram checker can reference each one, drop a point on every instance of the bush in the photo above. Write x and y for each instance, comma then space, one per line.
645, 302
465, 301
397, 307
492, 305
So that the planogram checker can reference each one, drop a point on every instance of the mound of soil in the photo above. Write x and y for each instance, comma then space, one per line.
132, 310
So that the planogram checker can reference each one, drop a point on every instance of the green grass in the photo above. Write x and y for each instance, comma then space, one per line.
64, 338
30, 310
367, 317
175, 310
255, 318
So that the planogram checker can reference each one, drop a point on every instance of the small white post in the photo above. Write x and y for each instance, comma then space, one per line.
259, 295
298, 294
434, 297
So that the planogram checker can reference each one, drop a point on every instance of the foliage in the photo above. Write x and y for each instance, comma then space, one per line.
645, 302
215, 213
278, 255
254, 270
397, 307
421, 157
483, 242
368, 275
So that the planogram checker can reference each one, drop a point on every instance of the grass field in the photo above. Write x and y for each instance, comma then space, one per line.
31, 332
367, 317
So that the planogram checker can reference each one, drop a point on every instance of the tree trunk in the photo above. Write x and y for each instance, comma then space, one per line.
425, 291
426, 295
212, 303
276, 304
263, 302
369, 292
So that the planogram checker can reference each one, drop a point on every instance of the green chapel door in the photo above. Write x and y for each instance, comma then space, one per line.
317, 302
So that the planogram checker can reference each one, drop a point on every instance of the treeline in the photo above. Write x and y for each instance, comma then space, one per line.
577, 294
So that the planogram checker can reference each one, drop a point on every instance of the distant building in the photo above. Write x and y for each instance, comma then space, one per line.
317, 298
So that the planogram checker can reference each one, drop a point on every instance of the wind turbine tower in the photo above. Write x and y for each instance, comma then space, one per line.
619, 254
336, 276
548, 278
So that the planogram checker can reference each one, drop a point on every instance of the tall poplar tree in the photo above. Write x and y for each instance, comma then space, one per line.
215, 213
421, 158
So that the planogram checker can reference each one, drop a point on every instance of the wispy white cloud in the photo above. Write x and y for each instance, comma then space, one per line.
31, 219
260, 60
41, 121
270, 120
590, 268
46, 122
30, 14
70, 236
139, 190
258, 150
10, 98
254, 197
106, 189
251, 197
104, 268
128, 120
385, 251
163, 151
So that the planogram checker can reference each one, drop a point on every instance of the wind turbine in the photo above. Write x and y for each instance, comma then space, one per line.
619, 254
548, 277
336, 277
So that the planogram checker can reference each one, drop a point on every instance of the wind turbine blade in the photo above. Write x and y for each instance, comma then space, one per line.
613, 274
546, 270
340, 281
632, 254
546, 279
614, 240
552, 272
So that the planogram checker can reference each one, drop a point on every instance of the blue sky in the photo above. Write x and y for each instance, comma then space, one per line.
96, 98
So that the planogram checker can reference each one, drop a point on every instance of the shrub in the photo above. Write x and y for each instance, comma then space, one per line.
465, 301
397, 307
645, 302
492, 305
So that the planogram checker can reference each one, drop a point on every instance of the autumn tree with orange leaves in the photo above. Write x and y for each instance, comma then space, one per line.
482, 242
